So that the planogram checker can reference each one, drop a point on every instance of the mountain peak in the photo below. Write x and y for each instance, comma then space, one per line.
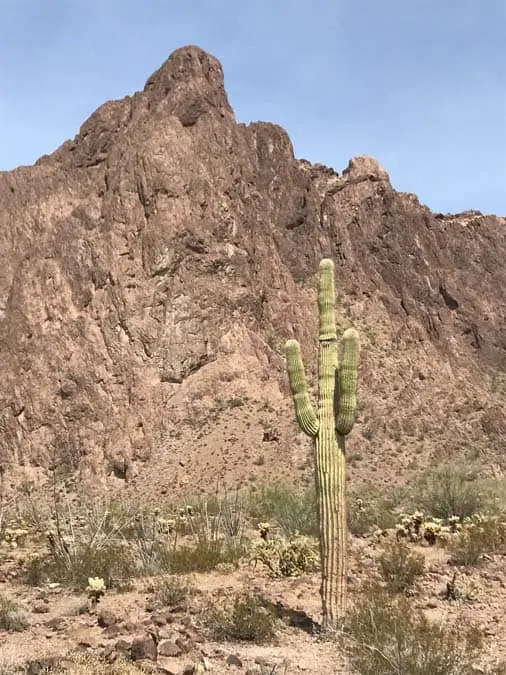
192, 81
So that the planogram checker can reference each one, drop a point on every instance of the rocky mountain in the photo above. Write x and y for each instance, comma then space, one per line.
152, 267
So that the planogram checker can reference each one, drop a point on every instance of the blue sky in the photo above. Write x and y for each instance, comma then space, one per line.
418, 84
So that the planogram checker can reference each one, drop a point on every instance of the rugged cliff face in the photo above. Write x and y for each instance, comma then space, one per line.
152, 268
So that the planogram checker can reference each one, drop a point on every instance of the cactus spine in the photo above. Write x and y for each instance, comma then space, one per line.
334, 419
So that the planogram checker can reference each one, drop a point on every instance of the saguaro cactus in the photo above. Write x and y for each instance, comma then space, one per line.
334, 419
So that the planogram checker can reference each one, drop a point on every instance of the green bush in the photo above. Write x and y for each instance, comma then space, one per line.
113, 562
370, 509
479, 535
12, 618
204, 556
294, 511
286, 558
400, 567
451, 490
385, 635
173, 591
249, 617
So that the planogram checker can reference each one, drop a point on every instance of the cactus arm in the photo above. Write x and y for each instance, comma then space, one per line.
347, 375
304, 410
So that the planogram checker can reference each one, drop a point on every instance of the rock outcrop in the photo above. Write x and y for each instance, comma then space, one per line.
152, 267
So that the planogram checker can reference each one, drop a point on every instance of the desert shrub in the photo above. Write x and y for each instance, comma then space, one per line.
117, 563
114, 563
233, 510
204, 533
213, 516
451, 490
293, 511
386, 635
461, 588
204, 556
287, 558
495, 489
400, 567
12, 618
117, 541
84, 539
248, 617
479, 535
173, 591
218, 511
370, 509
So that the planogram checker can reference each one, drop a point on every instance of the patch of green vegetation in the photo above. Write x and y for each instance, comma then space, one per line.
173, 590
452, 490
286, 558
370, 509
400, 567
12, 617
386, 635
246, 618
478, 536
292, 510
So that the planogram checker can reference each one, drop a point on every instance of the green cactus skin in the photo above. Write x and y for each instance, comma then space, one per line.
334, 419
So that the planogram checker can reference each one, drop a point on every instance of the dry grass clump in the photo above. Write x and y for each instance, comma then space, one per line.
456, 490
86, 663
174, 591
248, 617
479, 535
386, 635
292, 510
12, 617
117, 543
400, 567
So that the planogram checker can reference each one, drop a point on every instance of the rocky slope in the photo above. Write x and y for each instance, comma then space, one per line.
152, 268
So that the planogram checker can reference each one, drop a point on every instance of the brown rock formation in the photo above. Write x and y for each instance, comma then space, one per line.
151, 268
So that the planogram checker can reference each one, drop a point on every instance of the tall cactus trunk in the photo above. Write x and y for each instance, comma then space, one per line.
330, 490
328, 427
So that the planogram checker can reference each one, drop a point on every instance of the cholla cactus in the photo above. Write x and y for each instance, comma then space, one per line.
15, 536
430, 532
95, 589
401, 531
454, 523
417, 520
416, 527
264, 529
411, 526
165, 525
328, 428
285, 558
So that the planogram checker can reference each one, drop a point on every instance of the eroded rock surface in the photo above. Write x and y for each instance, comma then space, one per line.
155, 264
